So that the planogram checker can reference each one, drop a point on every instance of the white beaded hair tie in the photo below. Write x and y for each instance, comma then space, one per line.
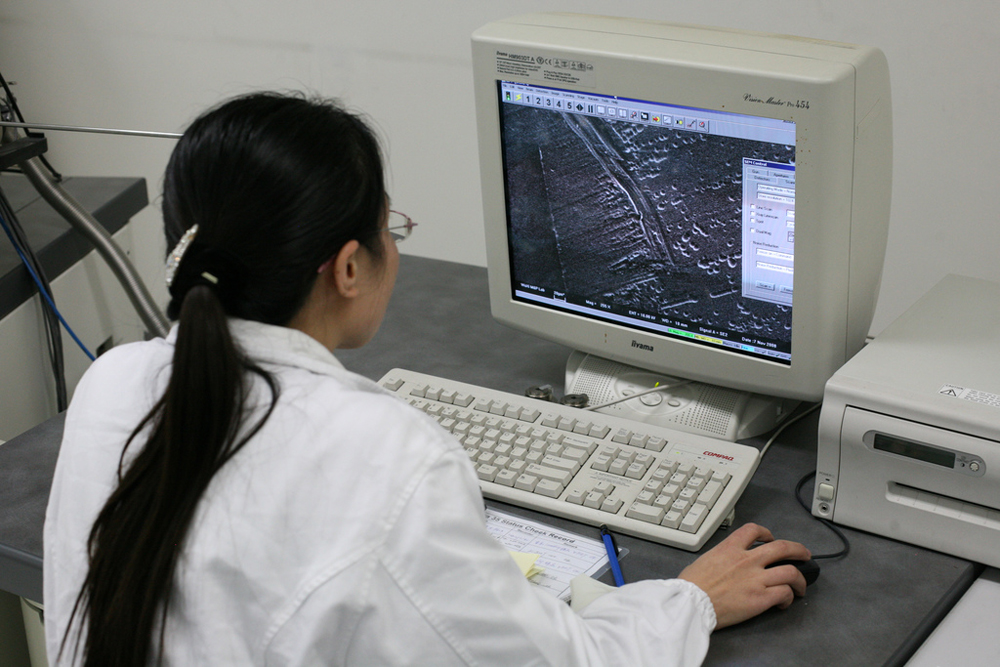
175, 256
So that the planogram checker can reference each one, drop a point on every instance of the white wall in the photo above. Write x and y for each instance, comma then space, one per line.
154, 65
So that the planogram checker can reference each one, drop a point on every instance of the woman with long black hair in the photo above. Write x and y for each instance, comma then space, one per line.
232, 495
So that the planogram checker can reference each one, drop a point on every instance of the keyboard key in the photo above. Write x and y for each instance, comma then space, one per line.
622, 436
560, 463
680, 479
580, 443
656, 444
721, 477
702, 472
601, 462
654, 486
710, 494
645, 513
663, 501
638, 440
696, 483
599, 431
610, 450
693, 519
681, 506
635, 471
604, 487
565, 423
553, 474
619, 466
672, 491
546, 487
487, 472
392, 383
668, 464
530, 415
526, 482
672, 519
506, 477
612, 505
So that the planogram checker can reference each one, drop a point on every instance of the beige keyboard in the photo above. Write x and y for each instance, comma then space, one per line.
667, 486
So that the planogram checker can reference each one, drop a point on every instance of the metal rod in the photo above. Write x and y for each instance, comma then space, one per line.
114, 256
94, 130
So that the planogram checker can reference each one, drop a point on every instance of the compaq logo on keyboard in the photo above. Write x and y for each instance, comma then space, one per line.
718, 456
648, 348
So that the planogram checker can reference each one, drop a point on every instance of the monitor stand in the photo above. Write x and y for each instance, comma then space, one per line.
693, 407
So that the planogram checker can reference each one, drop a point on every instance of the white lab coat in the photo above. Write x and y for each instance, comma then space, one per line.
350, 530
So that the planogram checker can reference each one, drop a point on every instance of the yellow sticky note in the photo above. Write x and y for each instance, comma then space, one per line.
526, 562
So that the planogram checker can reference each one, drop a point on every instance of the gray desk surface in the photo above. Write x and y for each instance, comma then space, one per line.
859, 612
112, 202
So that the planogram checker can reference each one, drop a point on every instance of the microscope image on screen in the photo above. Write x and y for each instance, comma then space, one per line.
641, 217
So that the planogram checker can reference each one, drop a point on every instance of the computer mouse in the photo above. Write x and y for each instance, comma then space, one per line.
808, 568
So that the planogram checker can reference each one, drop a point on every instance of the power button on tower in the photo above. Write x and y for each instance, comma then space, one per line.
825, 491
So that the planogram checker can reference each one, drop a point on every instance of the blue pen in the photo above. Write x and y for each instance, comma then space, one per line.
609, 544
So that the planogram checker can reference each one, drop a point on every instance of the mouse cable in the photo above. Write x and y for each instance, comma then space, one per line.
786, 424
829, 524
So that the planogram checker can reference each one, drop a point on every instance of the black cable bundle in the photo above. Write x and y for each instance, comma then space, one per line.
52, 331
14, 231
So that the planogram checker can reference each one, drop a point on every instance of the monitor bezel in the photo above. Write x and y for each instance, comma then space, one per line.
812, 84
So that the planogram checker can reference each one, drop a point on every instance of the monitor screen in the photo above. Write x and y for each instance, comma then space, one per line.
674, 220
702, 203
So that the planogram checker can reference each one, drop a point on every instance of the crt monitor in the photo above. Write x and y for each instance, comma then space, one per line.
693, 202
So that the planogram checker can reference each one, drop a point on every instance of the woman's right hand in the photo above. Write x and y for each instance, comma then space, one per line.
734, 574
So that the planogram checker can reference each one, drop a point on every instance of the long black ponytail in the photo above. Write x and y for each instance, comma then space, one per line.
277, 184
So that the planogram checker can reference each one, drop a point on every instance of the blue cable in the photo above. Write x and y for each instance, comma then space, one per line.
41, 289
